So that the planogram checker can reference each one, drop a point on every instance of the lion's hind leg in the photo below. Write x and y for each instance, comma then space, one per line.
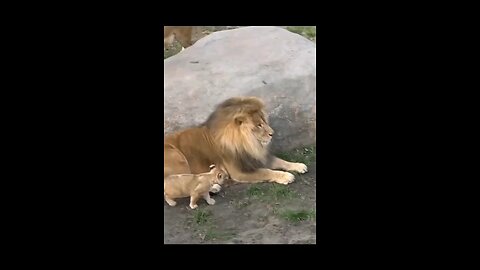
174, 161
170, 201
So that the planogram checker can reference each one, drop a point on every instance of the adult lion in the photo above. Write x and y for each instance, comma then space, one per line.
236, 136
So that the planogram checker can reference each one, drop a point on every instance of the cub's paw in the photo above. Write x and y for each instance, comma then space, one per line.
171, 203
193, 206
284, 178
299, 167
215, 188
211, 201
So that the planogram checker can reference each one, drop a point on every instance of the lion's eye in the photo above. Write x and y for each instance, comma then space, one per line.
259, 125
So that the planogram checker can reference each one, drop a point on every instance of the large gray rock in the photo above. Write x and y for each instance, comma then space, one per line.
268, 62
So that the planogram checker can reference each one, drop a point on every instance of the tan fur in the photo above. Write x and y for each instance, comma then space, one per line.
193, 186
183, 34
236, 136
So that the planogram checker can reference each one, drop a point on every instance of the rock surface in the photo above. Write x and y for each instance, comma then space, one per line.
268, 62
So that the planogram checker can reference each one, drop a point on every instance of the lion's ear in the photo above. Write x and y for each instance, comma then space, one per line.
240, 119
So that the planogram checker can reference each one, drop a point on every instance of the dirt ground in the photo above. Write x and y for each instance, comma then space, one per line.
266, 213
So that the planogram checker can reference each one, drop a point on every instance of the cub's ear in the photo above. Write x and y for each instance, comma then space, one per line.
240, 120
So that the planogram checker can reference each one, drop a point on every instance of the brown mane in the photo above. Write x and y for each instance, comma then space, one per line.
233, 141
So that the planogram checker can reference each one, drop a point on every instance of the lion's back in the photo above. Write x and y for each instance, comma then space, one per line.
218, 140
196, 148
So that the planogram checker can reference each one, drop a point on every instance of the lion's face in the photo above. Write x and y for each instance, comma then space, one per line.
239, 127
261, 130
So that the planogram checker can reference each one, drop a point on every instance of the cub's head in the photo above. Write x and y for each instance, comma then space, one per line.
220, 175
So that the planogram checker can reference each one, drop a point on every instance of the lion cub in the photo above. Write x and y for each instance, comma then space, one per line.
193, 186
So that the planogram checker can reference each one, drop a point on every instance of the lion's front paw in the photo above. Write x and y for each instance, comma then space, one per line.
299, 167
193, 206
284, 178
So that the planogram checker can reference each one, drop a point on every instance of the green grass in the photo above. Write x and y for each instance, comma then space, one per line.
201, 217
212, 234
270, 192
309, 32
204, 226
306, 155
256, 191
280, 192
242, 204
297, 216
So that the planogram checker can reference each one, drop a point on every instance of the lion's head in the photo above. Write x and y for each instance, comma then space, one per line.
239, 127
